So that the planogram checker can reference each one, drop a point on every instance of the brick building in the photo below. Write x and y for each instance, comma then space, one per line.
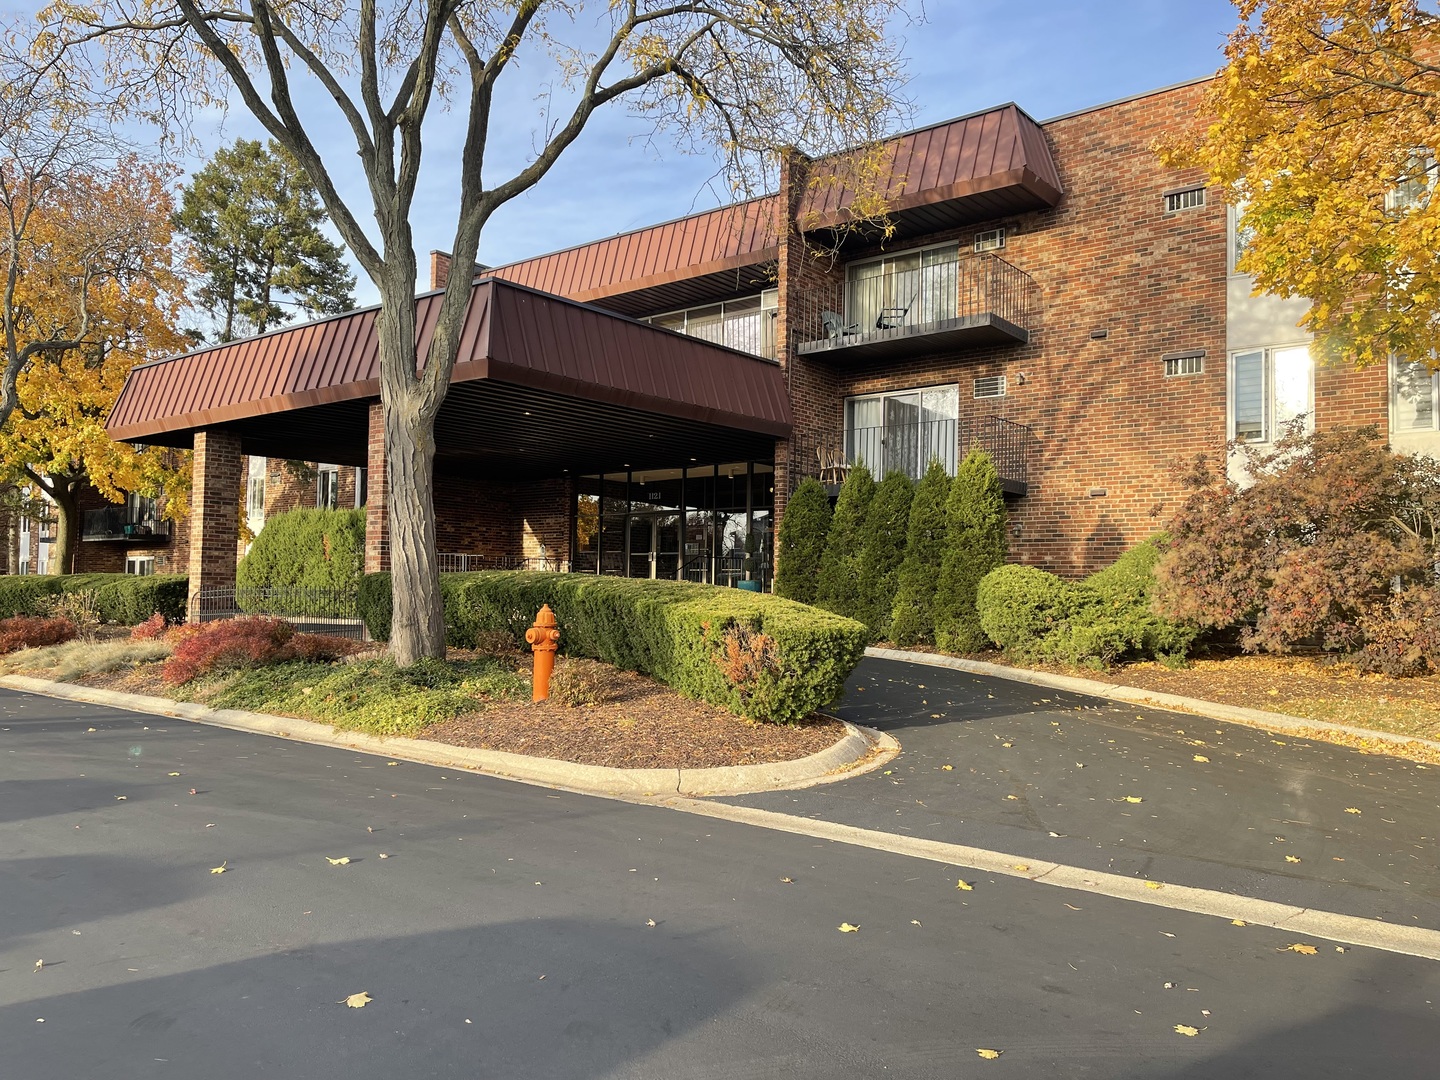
644, 404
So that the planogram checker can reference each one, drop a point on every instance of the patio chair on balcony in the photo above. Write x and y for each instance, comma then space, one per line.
835, 325
891, 317
833, 466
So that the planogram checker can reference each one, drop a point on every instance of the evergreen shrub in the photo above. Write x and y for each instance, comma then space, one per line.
677, 633
838, 588
975, 544
881, 550
804, 527
912, 620
309, 550
124, 599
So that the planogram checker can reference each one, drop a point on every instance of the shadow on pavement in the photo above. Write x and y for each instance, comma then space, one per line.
548, 998
64, 890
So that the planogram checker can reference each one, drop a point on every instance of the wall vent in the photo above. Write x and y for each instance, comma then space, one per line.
1187, 199
990, 240
990, 386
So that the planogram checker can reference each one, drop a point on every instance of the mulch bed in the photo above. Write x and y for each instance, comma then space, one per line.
642, 725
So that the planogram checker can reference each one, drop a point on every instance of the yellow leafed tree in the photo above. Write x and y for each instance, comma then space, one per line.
1322, 129
111, 238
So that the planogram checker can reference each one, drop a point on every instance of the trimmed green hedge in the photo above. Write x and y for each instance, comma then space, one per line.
671, 631
125, 599
310, 551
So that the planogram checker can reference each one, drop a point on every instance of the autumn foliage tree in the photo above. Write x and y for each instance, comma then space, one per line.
739, 78
1323, 129
110, 238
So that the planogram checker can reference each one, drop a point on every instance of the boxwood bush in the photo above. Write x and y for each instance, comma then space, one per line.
305, 552
125, 599
678, 633
1106, 617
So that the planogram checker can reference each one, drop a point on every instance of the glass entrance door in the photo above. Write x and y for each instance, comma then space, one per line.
655, 546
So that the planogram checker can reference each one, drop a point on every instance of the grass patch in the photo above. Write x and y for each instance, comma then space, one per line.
373, 696
76, 659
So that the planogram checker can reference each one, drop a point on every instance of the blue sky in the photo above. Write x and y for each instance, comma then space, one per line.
1049, 57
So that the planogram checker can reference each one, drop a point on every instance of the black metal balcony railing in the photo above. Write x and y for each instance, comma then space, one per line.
121, 523
978, 299
909, 448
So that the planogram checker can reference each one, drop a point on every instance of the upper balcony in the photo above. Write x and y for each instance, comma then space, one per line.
913, 304
125, 522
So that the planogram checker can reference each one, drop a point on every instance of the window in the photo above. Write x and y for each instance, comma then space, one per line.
362, 487
255, 494
1241, 235
1184, 364
140, 509
904, 431
1184, 200
327, 487
24, 567
1269, 388
747, 324
1414, 183
990, 240
990, 386
908, 289
1414, 396
140, 565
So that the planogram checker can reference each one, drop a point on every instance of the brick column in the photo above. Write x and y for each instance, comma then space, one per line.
377, 506
214, 513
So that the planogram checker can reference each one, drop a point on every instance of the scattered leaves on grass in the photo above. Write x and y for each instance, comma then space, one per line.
1202, 759
1186, 1029
344, 860
964, 886
847, 928
357, 1001
1352, 810
219, 869
1300, 947
989, 1055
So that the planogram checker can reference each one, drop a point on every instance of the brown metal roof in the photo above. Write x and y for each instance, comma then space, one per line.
513, 335
971, 168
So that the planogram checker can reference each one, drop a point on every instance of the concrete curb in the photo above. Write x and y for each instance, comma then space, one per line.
860, 751
1271, 721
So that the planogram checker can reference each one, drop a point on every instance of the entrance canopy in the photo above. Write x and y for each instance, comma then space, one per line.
542, 385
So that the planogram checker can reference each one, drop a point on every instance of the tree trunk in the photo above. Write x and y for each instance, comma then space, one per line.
417, 628
67, 527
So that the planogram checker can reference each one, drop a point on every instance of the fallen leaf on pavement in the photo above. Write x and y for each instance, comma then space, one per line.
39, 964
344, 860
847, 928
1302, 948
1352, 810
194, 792
1341, 948
787, 881
383, 855
1133, 798
947, 768
219, 869
964, 886
1072, 907
1201, 758
1291, 858
88, 730
1238, 922
357, 1001
649, 922
1012, 796
392, 763
174, 774
1022, 867
1154, 884
1007, 745
1186, 1029
989, 1055
121, 798
914, 922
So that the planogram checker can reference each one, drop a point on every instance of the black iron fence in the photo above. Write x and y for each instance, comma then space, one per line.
122, 523
313, 611
456, 562
1006, 442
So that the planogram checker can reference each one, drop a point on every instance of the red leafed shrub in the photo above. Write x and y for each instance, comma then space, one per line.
229, 645
322, 648
1327, 544
152, 629
250, 642
31, 632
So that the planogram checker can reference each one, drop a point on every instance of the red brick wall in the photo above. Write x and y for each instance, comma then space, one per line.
484, 516
214, 510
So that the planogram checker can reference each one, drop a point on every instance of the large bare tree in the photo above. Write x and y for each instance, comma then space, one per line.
741, 77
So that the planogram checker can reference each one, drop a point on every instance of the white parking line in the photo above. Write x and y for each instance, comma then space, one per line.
1332, 926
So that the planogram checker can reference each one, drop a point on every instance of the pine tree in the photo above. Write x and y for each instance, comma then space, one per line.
803, 530
912, 620
838, 589
975, 544
882, 550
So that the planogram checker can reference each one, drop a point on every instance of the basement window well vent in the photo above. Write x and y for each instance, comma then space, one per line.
1192, 363
990, 240
1184, 200
990, 386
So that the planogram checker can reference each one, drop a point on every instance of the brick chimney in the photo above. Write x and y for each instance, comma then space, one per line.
439, 269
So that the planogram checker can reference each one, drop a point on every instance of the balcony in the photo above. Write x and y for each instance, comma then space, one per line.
909, 448
975, 301
123, 523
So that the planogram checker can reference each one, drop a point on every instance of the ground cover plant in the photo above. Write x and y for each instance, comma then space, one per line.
31, 632
247, 643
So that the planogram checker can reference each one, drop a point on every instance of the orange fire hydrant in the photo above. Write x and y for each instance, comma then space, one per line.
544, 639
